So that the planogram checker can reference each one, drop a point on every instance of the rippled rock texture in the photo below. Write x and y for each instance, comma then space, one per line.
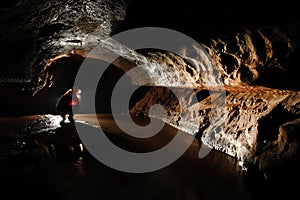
254, 64
256, 118
262, 104
34, 33
255, 56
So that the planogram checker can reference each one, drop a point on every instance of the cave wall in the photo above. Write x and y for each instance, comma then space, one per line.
34, 33
38, 40
254, 51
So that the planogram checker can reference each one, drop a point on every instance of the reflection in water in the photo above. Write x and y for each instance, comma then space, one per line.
80, 167
61, 143
51, 163
41, 142
55, 121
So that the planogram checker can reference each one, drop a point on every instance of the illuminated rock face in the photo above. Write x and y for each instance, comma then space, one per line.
258, 108
245, 129
255, 55
33, 32
261, 56
258, 111
255, 66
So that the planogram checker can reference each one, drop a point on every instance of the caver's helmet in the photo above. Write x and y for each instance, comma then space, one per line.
76, 93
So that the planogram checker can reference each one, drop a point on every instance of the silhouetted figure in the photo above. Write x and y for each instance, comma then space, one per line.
67, 102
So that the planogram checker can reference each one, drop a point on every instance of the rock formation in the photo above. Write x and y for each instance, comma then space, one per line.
34, 34
254, 58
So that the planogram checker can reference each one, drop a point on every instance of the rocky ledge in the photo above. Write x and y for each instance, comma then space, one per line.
251, 90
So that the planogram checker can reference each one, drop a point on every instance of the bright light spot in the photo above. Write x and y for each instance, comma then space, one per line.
73, 103
81, 147
78, 94
71, 148
50, 61
54, 121
62, 43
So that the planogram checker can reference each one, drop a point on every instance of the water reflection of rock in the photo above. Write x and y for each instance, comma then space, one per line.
61, 144
50, 164
32, 151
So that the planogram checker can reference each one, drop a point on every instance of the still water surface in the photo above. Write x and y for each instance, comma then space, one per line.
42, 158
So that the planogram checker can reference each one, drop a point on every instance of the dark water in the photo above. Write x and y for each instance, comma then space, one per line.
46, 160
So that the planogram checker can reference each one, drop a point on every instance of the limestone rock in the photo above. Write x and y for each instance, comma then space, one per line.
34, 33
253, 60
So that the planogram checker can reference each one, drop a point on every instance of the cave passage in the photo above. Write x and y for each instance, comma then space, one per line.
63, 72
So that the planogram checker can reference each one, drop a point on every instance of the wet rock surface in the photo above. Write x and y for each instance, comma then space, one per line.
254, 118
254, 55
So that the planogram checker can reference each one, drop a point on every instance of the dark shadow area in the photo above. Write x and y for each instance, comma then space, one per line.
52, 165
269, 125
276, 183
200, 20
60, 77
63, 72
106, 86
